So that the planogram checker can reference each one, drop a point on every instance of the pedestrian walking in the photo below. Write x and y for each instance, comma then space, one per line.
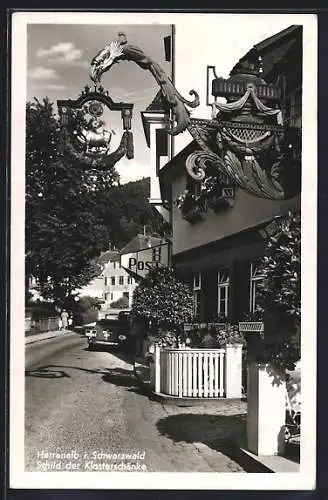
64, 317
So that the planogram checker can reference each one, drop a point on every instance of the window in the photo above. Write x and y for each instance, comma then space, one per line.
114, 264
255, 279
106, 281
111, 296
161, 147
197, 286
223, 292
129, 280
121, 280
113, 280
157, 254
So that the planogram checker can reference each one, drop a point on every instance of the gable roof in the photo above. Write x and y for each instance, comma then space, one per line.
278, 48
156, 111
158, 104
141, 242
105, 257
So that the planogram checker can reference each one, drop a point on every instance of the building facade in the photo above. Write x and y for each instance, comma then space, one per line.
217, 242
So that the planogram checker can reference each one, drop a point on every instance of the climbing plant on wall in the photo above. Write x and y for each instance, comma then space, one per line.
280, 293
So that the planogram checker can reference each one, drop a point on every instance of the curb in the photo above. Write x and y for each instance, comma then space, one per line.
140, 380
32, 339
188, 401
275, 463
182, 401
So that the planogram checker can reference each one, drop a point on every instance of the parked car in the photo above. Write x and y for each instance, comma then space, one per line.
107, 333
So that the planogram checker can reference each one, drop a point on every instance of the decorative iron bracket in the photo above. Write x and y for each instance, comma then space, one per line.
65, 106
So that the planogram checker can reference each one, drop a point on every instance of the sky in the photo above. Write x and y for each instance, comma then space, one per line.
58, 62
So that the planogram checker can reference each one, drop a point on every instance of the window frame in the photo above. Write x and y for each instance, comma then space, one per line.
254, 279
223, 286
196, 294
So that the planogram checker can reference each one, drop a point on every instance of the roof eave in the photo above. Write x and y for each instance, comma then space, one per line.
268, 42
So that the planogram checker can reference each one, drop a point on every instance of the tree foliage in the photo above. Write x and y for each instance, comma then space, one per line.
73, 210
125, 211
63, 233
162, 299
280, 293
121, 303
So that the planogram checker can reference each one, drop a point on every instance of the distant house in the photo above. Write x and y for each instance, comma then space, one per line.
143, 253
116, 282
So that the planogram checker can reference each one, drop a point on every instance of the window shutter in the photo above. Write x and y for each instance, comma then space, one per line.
210, 294
240, 289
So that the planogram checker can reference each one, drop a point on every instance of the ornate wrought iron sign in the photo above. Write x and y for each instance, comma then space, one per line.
84, 132
246, 140
244, 144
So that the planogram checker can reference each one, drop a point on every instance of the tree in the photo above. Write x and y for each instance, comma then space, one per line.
280, 293
121, 303
125, 210
162, 299
63, 230
72, 209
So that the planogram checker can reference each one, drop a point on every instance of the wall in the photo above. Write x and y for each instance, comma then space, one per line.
156, 161
248, 211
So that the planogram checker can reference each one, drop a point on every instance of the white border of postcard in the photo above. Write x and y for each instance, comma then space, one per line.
305, 478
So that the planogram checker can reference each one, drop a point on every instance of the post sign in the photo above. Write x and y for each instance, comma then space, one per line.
139, 263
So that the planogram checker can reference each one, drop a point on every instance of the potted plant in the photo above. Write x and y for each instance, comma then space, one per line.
222, 198
230, 335
192, 206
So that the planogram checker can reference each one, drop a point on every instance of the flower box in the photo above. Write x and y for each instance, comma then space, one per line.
218, 203
222, 200
251, 326
193, 215
218, 326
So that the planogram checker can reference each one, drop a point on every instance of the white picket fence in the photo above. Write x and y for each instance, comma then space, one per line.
196, 373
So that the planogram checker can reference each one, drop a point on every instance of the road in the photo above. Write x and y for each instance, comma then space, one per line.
84, 411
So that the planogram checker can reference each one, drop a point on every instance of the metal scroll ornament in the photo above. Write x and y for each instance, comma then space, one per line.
120, 50
244, 144
245, 141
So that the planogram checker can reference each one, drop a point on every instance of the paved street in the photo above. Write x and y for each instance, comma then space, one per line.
86, 412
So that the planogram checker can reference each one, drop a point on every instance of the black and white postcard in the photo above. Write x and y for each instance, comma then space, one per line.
163, 250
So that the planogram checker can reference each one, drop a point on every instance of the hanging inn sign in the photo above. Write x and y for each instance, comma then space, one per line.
85, 134
245, 144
